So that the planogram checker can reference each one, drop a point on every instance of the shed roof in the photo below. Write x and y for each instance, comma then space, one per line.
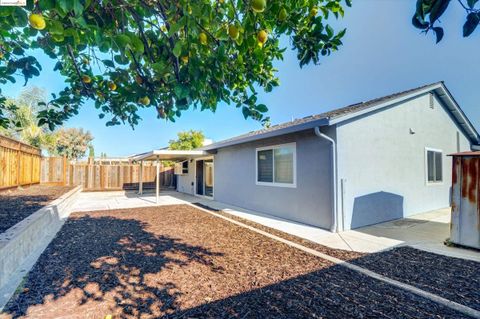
468, 153
354, 110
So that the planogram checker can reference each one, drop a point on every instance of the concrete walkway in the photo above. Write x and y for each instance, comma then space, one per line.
425, 231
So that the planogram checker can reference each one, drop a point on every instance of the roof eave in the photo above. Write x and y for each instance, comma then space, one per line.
399, 99
441, 91
282, 131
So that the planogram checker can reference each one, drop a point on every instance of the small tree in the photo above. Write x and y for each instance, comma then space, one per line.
73, 143
187, 140
22, 113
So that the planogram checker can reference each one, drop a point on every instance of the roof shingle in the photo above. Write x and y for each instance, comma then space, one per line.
336, 113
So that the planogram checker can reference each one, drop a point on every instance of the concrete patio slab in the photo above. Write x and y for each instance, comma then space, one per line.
425, 231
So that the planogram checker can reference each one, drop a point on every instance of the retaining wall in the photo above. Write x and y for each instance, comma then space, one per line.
22, 244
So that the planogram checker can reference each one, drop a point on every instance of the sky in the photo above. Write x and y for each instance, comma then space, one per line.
382, 54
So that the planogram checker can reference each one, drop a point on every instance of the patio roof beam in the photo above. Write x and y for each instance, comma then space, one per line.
169, 155
140, 184
157, 180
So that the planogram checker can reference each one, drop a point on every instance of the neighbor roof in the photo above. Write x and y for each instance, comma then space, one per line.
354, 110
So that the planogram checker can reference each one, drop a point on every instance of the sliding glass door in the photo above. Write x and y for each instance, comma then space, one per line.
204, 177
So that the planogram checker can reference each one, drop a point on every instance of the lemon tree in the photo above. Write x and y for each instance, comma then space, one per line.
167, 55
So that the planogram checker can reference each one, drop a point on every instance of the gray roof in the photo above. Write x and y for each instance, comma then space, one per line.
343, 113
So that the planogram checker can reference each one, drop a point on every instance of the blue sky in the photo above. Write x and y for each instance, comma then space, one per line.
382, 54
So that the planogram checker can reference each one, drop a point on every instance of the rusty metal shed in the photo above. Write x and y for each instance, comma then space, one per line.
465, 222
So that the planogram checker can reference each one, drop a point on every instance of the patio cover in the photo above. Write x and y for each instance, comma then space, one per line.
165, 155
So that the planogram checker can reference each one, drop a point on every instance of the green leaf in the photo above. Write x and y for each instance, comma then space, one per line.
471, 24
77, 7
121, 59
438, 9
46, 4
439, 33
175, 27
137, 44
262, 108
56, 27
177, 50
20, 17
121, 41
418, 23
471, 3
108, 63
246, 112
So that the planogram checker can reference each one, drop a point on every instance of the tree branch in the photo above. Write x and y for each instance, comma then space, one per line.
72, 56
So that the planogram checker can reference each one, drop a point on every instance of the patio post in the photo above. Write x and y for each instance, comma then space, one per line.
158, 179
140, 184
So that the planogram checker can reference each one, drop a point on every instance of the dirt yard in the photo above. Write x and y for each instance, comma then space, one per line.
179, 262
18, 204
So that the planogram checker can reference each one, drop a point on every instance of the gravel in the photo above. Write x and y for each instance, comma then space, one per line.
178, 262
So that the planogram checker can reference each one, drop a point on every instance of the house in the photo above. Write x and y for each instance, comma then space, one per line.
355, 166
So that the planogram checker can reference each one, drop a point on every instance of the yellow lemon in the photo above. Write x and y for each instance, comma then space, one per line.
37, 21
259, 5
185, 59
262, 37
203, 38
112, 86
313, 11
144, 100
233, 32
86, 79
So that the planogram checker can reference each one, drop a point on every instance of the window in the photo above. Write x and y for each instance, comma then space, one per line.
185, 167
276, 165
434, 166
181, 168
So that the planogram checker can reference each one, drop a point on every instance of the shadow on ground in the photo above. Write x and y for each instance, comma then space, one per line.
14, 209
100, 265
99, 259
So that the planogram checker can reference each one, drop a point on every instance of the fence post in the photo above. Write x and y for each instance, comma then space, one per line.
64, 177
18, 165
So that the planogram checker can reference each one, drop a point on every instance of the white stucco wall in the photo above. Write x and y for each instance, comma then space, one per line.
383, 164
185, 182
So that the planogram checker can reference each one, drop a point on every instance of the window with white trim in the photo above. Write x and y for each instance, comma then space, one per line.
434, 166
181, 168
276, 165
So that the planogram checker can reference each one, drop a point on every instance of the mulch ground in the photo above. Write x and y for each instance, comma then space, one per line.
338, 253
452, 278
17, 204
179, 262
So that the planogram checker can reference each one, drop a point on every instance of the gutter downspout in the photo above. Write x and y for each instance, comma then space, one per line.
334, 227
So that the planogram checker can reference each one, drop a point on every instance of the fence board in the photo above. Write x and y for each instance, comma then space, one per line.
19, 163
102, 177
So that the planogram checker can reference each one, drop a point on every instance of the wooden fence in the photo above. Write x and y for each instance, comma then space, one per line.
19, 163
100, 177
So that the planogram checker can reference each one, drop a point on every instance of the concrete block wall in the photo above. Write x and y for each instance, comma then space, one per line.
22, 244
